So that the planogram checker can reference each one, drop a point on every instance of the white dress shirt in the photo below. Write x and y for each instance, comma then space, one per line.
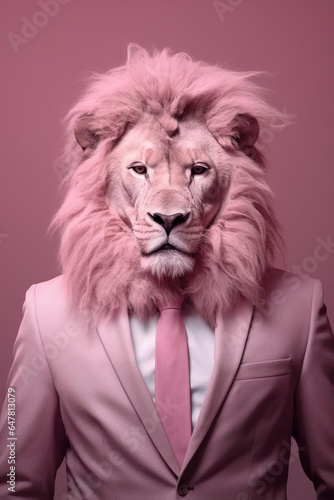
201, 354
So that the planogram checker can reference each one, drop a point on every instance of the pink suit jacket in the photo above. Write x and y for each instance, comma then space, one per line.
79, 394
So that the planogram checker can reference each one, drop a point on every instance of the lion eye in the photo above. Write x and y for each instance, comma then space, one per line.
199, 168
139, 168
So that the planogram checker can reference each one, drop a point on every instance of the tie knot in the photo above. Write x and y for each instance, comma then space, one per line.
175, 303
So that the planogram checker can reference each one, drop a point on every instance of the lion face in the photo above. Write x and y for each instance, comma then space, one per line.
168, 190
167, 195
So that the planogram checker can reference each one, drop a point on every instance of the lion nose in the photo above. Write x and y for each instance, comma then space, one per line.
169, 221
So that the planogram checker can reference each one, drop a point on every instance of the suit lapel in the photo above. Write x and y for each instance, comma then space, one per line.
115, 335
230, 339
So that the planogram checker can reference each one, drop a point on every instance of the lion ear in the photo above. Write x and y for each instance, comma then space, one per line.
244, 133
135, 52
85, 134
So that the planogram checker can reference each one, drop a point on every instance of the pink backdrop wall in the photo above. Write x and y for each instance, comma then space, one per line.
46, 52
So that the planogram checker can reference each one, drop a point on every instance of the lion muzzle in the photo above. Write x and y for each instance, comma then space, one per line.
168, 222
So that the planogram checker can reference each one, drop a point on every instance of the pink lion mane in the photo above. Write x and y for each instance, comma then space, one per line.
99, 254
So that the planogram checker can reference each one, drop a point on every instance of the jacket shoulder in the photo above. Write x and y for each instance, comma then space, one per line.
52, 306
285, 292
291, 284
51, 295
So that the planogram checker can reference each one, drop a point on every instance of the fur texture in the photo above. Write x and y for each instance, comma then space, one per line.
100, 255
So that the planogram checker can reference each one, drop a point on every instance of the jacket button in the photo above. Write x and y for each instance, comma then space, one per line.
182, 489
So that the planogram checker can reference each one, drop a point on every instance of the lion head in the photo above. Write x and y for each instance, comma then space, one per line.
166, 191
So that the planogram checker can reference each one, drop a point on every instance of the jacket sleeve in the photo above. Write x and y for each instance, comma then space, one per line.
314, 402
37, 445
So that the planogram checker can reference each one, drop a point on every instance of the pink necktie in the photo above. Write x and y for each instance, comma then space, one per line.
172, 380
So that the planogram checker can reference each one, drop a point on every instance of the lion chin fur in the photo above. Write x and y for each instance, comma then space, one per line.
101, 258
171, 266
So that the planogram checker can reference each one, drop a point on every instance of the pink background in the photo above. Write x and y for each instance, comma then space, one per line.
292, 40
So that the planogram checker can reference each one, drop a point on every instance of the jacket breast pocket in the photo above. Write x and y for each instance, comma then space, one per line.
264, 369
